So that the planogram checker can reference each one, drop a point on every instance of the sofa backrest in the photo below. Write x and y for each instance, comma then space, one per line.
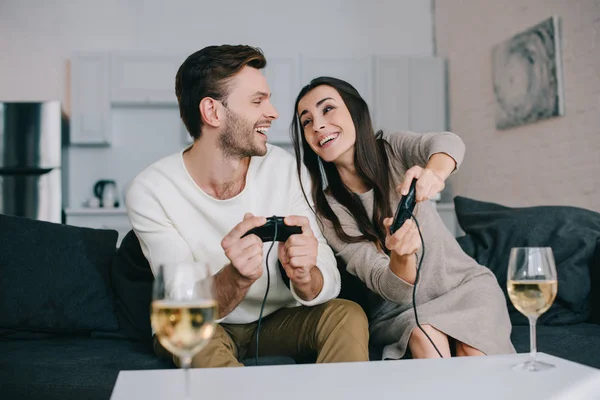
491, 230
595, 285
54, 279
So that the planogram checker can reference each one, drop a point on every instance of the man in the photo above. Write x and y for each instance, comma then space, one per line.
196, 206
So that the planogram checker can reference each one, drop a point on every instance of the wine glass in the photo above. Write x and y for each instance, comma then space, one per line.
532, 287
183, 310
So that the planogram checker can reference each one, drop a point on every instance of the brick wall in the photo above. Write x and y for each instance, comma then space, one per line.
555, 161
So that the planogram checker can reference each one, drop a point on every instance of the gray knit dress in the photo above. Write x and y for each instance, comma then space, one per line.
455, 294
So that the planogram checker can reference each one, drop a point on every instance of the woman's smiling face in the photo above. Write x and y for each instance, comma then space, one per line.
327, 124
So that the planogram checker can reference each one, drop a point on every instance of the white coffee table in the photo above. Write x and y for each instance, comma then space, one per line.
462, 378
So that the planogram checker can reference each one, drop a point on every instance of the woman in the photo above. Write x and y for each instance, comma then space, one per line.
459, 302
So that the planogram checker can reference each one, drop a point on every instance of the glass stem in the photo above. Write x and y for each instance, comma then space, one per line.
186, 362
532, 342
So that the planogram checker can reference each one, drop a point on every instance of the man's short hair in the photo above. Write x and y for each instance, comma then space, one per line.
206, 73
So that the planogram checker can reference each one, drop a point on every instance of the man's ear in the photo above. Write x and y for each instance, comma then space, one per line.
211, 112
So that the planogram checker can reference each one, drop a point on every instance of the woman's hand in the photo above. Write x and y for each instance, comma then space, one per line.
428, 183
403, 244
430, 180
405, 241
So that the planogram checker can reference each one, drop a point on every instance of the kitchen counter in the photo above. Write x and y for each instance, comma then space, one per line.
100, 218
96, 211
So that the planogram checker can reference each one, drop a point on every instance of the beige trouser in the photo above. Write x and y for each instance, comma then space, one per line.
336, 331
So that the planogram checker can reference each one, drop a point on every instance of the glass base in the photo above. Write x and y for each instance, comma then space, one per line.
533, 366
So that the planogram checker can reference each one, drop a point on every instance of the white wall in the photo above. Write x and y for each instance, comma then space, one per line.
38, 37
555, 161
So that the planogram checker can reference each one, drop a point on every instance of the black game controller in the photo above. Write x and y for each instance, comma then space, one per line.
405, 207
267, 231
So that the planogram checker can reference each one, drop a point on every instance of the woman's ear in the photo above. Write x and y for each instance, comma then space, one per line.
210, 112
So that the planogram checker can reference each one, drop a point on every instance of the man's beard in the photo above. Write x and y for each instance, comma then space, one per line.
237, 139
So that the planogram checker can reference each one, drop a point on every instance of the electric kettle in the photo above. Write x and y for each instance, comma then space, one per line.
106, 192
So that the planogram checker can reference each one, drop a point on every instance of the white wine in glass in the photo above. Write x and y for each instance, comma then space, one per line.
183, 310
183, 328
532, 287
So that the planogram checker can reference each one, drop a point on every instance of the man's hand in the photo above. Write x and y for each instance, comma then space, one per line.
245, 254
298, 255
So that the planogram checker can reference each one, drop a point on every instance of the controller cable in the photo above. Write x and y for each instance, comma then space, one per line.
417, 281
262, 307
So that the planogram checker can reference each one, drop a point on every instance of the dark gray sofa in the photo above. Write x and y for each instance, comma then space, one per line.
571, 327
63, 332
74, 311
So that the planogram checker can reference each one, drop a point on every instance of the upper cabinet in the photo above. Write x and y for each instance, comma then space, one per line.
410, 93
392, 94
101, 80
427, 94
403, 93
357, 71
284, 81
90, 99
139, 78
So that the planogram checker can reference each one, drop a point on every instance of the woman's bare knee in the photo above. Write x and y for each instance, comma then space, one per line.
421, 347
464, 350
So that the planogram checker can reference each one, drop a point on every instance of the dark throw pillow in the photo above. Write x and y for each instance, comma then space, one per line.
491, 230
54, 278
132, 281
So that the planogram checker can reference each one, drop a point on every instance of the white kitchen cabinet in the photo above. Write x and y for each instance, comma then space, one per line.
143, 78
427, 94
357, 71
391, 109
100, 218
410, 94
90, 99
284, 81
402, 92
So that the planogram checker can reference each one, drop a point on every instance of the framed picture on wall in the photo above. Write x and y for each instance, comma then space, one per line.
527, 76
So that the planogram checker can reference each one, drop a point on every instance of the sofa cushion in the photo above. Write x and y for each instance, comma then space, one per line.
55, 278
579, 343
491, 230
69, 368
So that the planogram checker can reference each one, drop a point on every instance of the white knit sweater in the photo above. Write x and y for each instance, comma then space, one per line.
176, 221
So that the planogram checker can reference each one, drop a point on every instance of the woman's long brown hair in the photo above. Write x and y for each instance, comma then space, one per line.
370, 162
